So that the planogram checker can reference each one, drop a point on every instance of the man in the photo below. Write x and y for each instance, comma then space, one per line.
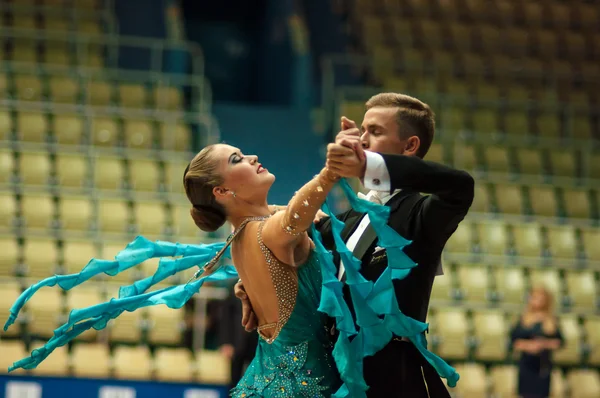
236, 345
395, 135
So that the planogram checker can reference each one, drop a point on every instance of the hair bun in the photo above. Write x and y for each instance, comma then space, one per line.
208, 218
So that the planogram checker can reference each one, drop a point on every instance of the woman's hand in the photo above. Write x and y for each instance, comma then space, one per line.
249, 320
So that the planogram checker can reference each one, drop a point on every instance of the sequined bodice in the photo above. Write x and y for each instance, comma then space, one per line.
296, 361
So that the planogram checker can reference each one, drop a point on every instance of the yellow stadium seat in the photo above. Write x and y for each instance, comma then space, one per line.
7, 166
9, 256
126, 327
562, 242
175, 136
486, 121
138, 134
68, 129
25, 51
32, 126
99, 93
548, 278
168, 98
91, 360
509, 199
530, 161
452, 120
462, 239
77, 254
570, 353
594, 166
63, 90
516, 123
44, 312
560, 15
587, 16
497, 159
56, 364
452, 333
590, 238
57, 55
10, 292
4, 87
581, 127
548, 125
372, 31
132, 363
481, 201
510, 285
165, 325
132, 95
543, 201
436, 153
113, 216
473, 283
465, 157
89, 27
151, 218
12, 351
71, 170
577, 203
76, 213
8, 210
173, 364
6, 123
462, 38
104, 132
591, 326
109, 173
582, 290
144, 174
54, 23
534, 14
442, 286
546, 44
504, 381
213, 367
584, 383
563, 163
182, 221
528, 240
40, 256
493, 238
28, 88
174, 176
474, 380
38, 211
34, 168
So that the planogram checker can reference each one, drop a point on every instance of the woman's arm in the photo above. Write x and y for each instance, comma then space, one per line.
286, 229
530, 346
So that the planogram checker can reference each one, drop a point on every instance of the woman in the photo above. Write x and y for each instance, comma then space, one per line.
290, 279
535, 336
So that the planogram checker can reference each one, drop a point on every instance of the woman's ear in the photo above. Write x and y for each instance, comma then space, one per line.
220, 192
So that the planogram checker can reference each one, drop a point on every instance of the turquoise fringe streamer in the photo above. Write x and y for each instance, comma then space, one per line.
377, 314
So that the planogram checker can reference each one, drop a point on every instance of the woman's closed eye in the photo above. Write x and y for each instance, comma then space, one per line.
235, 158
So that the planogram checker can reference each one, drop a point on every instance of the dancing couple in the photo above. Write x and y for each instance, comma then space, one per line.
339, 305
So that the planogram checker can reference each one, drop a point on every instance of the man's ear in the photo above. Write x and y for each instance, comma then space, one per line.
413, 143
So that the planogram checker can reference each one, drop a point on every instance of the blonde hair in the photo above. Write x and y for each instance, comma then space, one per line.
549, 320
199, 179
414, 117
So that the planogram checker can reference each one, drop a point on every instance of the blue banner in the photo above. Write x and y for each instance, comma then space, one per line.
65, 387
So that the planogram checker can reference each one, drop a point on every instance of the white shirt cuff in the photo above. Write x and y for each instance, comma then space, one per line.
377, 177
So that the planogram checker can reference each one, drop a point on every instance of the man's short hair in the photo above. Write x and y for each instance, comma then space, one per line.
414, 117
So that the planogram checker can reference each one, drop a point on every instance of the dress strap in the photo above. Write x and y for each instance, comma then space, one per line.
285, 281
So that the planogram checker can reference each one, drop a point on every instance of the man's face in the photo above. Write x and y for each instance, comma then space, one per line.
381, 133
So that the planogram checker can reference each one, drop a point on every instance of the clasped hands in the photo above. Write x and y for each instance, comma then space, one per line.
346, 158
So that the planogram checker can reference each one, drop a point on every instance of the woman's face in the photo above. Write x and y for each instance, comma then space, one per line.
538, 300
242, 174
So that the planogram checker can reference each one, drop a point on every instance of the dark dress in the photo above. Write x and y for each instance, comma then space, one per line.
534, 369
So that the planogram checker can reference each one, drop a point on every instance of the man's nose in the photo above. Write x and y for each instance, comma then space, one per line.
364, 141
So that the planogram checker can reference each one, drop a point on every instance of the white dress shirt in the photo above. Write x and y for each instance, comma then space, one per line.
377, 179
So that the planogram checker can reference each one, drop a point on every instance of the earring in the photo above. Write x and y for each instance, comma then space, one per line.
233, 193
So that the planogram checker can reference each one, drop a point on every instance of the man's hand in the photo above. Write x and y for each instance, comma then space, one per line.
227, 351
249, 320
320, 214
344, 161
